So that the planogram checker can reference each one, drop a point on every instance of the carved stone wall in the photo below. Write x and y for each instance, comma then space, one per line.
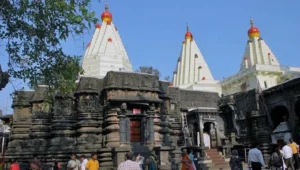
20, 126
40, 128
63, 125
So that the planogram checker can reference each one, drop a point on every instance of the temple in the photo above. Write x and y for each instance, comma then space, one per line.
106, 51
192, 71
259, 67
114, 110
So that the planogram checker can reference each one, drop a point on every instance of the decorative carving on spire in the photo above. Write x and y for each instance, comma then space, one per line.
251, 22
106, 15
106, 6
188, 34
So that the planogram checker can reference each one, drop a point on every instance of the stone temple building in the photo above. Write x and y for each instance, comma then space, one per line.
115, 110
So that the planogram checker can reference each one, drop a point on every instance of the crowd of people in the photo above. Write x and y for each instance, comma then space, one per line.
283, 158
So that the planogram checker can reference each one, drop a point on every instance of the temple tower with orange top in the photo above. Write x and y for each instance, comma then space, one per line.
106, 51
259, 68
192, 71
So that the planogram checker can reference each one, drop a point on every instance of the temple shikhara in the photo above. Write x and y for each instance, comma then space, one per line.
115, 110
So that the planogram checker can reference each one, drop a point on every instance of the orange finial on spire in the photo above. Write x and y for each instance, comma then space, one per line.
188, 34
253, 31
106, 15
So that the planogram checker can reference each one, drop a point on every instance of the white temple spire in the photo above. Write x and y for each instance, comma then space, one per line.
191, 66
257, 51
106, 51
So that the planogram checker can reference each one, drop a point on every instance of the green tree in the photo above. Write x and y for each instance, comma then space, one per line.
34, 31
167, 78
148, 70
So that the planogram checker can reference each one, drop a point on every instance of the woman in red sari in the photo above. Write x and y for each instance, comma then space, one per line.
186, 162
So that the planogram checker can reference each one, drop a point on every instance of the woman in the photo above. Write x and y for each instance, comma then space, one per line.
276, 162
151, 163
191, 155
186, 162
235, 162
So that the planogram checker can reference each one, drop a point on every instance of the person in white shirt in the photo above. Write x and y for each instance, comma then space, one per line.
255, 158
288, 156
140, 160
83, 162
73, 164
129, 164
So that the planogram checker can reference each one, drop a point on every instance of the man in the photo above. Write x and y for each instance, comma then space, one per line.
255, 158
288, 156
83, 161
35, 164
295, 149
73, 164
129, 164
93, 163
55, 165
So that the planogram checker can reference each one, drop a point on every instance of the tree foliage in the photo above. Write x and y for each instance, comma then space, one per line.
148, 70
167, 78
34, 30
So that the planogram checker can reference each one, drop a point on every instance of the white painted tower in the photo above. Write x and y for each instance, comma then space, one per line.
192, 71
106, 51
259, 67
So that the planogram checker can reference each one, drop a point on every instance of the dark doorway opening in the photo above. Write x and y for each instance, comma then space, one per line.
135, 130
279, 114
297, 111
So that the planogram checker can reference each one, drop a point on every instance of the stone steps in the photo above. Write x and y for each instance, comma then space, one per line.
217, 160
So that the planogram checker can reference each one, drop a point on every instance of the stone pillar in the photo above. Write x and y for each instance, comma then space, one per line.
150, 126
201, 130
122, 124
112, 128
164, 154
217, 134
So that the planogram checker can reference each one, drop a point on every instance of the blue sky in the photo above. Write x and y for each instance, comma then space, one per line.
153, 31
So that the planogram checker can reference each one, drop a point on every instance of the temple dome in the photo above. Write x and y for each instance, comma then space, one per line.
253, 31
106, 15
188, 34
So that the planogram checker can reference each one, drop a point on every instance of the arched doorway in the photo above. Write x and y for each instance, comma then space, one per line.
210, 130
279, 114
297, 111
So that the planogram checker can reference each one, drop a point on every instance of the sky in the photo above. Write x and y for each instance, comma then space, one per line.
152, 33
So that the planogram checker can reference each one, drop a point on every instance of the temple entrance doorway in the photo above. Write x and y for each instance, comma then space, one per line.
279, 114
209, 135
135, 130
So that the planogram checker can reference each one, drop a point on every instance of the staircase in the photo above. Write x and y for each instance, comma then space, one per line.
217, 160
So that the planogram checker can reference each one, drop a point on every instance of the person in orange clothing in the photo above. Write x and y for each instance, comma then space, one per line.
295, 149
186, 162
93, 163
15, 165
